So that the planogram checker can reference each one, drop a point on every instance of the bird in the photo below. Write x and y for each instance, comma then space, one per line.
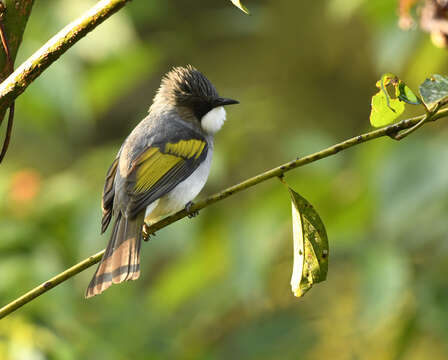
160, 168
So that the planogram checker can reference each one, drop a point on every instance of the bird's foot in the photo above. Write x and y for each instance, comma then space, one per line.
191, 214
146, 234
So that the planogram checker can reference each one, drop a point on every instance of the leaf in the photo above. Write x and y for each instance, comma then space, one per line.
310, 246
404, 93
386, 108
434, 90
240, 6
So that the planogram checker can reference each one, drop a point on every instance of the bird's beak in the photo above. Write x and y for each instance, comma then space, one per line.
224, 101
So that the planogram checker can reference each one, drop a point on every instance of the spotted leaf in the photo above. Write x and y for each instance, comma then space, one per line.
310, 246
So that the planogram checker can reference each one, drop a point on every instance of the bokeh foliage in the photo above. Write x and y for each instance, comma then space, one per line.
218, 286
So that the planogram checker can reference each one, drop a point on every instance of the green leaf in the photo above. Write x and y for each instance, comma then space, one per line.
385, 108
404, 93
389, 103
240, 6
310, 246
434, 90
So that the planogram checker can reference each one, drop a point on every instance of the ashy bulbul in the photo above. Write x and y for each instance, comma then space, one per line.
161, 167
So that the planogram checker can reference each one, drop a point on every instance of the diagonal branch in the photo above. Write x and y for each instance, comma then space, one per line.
19, 80
273, 173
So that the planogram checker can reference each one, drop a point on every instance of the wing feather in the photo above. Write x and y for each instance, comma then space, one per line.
108, 195
152, 167
158, 169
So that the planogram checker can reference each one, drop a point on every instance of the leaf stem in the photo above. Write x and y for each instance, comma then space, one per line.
281, 178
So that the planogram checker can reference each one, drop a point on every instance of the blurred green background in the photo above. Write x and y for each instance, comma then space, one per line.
217, 286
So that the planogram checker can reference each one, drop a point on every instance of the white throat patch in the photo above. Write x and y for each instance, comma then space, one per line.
213, 120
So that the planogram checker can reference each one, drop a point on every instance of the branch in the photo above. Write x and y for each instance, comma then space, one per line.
19, 80
275, 172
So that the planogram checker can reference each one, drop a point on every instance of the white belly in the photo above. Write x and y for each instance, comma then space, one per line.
183, 193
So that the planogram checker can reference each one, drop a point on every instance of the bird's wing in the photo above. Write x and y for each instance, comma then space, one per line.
160, 167
108, 195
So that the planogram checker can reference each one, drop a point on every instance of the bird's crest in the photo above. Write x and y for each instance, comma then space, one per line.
182, 85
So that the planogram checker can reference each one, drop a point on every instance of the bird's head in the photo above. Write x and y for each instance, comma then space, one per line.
189, 90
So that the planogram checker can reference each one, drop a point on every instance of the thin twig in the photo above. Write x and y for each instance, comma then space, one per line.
5, 45
24, 75
426, 118
47, 285
14, 15
10, 63
275, 172
8, 132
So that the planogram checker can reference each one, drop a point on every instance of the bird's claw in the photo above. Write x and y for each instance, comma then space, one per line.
146, 234
191, 214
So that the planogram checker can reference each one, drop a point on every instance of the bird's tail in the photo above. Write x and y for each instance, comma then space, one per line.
121, 260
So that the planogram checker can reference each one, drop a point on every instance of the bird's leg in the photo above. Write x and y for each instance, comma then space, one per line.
191, 214
146, 234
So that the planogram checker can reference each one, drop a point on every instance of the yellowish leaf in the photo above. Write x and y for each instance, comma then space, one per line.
240, 6
310, 246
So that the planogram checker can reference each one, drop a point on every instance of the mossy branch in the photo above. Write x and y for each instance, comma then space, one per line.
26, 73
279, 171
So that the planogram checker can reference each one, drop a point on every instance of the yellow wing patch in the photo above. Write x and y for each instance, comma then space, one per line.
153, 166
186, 148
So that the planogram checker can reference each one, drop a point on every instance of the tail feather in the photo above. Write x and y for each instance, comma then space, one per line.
121, 260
